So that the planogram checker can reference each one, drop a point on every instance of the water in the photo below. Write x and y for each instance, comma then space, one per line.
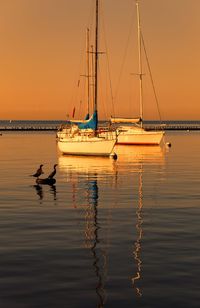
110, 233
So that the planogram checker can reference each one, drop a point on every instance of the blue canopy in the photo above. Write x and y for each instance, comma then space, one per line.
90, 123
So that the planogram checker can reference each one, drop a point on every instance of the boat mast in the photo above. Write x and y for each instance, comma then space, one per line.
92, 74
139, 60
88, 72
96, 56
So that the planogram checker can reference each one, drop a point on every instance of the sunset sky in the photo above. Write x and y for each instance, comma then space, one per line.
42, 58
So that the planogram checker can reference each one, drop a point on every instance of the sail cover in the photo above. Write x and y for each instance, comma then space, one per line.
125, 120
86, 124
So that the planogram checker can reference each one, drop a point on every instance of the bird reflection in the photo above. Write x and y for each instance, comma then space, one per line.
92, 238
40, 192
137, 244
53, 191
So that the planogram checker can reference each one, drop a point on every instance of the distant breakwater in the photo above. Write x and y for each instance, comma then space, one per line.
186, 127
150, 127
31, 128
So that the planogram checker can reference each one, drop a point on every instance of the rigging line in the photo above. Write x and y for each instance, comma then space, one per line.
91, 18
75, 98
77, 89
124, 57
108, 61
102, 96
75, 92
91, 15
151, 77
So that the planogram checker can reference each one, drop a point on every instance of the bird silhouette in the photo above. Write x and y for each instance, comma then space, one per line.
51, 175
38, 172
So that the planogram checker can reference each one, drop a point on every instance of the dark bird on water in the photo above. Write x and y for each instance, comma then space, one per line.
46, 181
38, 172
51, 175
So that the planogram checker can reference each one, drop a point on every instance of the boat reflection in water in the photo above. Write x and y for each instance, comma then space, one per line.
89, 172
141, 157
92, 240
94, 174
138, 154
85, 165
127, 155
138, 243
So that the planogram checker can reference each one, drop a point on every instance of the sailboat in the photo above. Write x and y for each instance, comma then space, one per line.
84, 137
131, 130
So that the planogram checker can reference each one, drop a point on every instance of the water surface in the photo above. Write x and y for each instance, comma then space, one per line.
110, 233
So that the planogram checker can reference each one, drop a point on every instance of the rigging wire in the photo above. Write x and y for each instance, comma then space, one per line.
100, 76
108, 61
124, 57
151, 76
76, 96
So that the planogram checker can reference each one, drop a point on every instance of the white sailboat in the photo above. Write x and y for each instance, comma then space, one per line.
133, 132
84, 137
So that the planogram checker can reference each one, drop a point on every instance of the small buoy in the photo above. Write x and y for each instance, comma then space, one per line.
168, 144
46, 181
114, 156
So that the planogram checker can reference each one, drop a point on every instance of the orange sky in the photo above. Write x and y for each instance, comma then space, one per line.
42, 56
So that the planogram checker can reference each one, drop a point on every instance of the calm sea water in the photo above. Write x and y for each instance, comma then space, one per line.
122, 233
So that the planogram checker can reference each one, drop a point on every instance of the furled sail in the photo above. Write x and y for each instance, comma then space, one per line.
125, 120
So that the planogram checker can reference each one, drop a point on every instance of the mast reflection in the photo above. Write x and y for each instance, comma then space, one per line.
87, 173
138, 245
92, 238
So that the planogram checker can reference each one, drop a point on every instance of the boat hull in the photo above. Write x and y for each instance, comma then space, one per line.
93, 147
142, 137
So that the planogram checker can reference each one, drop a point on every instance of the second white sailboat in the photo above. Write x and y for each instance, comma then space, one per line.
131, 131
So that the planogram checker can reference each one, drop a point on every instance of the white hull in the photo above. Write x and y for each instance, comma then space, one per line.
139, 136
84, 145
62, 133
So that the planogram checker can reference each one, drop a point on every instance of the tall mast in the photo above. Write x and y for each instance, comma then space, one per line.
92, 74
139, 60
96, 56
88, 72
